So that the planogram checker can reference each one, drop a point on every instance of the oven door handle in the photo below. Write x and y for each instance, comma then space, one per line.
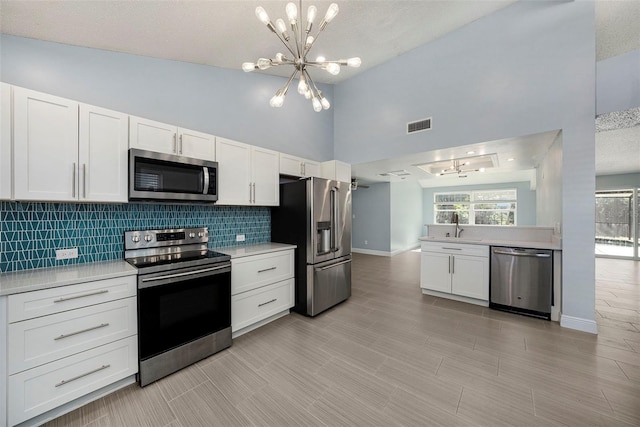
188, 273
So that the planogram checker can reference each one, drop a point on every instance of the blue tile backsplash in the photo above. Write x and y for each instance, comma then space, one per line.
30, 233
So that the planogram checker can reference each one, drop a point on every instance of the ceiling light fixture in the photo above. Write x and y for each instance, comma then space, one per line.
299, 43
456, 168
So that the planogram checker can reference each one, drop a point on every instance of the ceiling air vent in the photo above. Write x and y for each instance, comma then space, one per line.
419, 126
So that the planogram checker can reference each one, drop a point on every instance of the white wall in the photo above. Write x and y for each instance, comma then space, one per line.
406, 215
618, 83
549, 186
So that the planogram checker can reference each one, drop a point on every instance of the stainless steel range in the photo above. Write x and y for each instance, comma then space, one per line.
184, 299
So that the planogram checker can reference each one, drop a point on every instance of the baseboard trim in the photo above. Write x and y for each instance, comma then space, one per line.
579, 324
385, 253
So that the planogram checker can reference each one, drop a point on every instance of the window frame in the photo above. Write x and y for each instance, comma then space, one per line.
473, 200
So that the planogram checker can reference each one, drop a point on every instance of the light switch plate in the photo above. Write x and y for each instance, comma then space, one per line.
66, 253
239, 237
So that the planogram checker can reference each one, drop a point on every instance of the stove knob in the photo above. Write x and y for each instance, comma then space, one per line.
200, 234
148, 238
135, 238
192, 235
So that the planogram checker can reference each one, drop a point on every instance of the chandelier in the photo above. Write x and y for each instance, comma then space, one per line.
457, 167
299, 42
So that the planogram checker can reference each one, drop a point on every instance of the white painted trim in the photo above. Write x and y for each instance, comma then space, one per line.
455, 297
236, 334
579, 324
385, 253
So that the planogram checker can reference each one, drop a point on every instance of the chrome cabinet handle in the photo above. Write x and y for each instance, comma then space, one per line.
266, 269
268, 302
63, 382
452, 249
449, 264
175, 144
84, 180
181, 145
453, 264
103, 325
73, 181
103, 291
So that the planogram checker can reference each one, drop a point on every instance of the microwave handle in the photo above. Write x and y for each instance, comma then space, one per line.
206, 180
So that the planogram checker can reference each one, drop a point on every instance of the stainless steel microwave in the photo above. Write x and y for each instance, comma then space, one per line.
166, 177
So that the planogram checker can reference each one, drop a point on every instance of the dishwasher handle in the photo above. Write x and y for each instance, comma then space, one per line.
525, 254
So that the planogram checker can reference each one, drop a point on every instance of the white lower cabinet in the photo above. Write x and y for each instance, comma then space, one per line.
67, 342
262, 289
458, 270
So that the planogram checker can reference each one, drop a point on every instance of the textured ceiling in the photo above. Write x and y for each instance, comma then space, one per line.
618, 28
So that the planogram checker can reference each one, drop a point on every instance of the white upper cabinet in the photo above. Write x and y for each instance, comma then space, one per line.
163, 138
45, 146
65, 151
337, 170
103, 160
297, 166
5, 141
247, 175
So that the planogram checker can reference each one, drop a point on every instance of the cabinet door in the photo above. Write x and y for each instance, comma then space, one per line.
5, 141
336, 170
265, 179
290, 165
196, 144
311, 168
470, 276
435, 271
45, 146
104, 140
153, 136
234, 172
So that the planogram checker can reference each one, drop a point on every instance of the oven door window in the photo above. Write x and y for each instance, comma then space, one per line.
154, 175
176, 313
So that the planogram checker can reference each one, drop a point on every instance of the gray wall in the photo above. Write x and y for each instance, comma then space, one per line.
549, 187
372, 218
525, 69
526, 207
618, 83
618, 182
406, 215
222, 102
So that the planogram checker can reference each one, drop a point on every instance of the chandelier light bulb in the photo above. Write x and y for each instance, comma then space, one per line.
311, 14
332, 68
309, 42
302, 85
307, 94
354, 62
264, 63
317, 105
321, 59
248, 67
292, 12
279, 57
277, 101
281, 26
262, 15
331, 13
325, 102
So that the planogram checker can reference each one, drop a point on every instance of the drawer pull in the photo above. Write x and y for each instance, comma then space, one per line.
79, 332
63, 382
452, 249
268, 302
104, 291
266, 269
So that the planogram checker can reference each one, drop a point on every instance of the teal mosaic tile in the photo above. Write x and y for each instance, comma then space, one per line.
30, 233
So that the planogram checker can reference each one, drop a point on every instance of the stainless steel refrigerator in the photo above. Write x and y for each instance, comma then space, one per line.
315, 215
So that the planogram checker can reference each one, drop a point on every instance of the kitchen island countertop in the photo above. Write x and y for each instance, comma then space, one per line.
556, 246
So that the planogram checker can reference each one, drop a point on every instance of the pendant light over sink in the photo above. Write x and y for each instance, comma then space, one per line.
298, 43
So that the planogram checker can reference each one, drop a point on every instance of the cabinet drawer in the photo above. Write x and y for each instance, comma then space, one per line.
41, 389
44, 339
255, 271
29, 305
456, 248
251, 307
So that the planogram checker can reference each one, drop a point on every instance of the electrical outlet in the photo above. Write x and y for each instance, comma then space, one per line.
239, 237
66, 253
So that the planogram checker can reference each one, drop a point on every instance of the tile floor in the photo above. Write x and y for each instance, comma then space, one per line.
392, 356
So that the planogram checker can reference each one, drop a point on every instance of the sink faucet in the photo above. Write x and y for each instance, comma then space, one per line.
455, 220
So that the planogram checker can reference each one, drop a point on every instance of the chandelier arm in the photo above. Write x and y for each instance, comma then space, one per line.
285, 88
284, 42
312, 86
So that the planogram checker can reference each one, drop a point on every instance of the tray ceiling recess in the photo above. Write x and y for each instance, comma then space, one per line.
461, 166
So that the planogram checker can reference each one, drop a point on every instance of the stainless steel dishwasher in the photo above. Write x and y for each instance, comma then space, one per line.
521, 281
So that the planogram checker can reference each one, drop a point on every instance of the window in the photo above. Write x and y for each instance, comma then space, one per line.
486, 207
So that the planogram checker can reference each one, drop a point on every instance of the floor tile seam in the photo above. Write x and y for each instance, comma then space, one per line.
578, 403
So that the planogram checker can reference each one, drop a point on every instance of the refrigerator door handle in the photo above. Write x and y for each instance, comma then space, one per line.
332, 265
335, 212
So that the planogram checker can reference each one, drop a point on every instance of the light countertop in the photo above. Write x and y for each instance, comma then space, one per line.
45, 278
248, 250
556, 246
